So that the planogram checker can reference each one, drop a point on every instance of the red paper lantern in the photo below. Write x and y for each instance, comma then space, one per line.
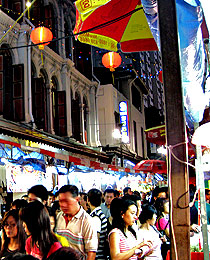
111, 60
40, 35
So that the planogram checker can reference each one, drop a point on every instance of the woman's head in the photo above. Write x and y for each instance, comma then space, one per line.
13, 228
123, 212
36, 219
66, 253
10, 224
148, 214
162, 206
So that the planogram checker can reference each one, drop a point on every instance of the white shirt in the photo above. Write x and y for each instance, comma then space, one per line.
153, 236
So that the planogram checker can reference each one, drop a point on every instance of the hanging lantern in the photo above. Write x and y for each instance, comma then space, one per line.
111, 60
41, 35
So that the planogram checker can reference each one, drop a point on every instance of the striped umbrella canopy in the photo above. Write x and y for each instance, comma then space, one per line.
109, 23
152, 166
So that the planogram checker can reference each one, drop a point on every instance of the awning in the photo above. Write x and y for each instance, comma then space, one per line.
27, 133
61, 154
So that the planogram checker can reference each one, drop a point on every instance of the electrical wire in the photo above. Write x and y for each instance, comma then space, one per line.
72, 34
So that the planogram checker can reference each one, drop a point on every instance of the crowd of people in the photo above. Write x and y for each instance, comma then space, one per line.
93, 225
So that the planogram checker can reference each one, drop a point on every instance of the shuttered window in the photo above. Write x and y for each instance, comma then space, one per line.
60, 113
18, 92
39, 103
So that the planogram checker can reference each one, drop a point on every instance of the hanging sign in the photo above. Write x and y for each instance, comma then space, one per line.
123, 108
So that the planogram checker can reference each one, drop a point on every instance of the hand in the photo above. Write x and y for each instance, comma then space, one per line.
195, 228
163, 239
147, 243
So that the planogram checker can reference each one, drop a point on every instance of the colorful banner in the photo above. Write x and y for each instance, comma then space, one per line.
156, 135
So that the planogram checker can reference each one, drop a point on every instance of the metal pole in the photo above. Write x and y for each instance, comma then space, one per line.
200, 185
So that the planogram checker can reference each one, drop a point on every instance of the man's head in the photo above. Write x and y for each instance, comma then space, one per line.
51, 199
207, 193
159, 193
94, 197
127, 191
69, 199
83, 200
38, 192
108, 196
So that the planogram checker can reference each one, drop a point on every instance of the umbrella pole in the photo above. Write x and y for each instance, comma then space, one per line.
201, 187
175, 132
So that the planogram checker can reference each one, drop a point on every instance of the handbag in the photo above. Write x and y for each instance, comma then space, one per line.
165, 245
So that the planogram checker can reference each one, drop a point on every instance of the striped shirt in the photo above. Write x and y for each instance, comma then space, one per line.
125, 243
79, 231
101, 252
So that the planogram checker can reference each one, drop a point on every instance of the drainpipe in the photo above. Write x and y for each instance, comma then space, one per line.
96, 100
29, 85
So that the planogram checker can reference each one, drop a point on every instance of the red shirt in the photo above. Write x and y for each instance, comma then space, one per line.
34, 251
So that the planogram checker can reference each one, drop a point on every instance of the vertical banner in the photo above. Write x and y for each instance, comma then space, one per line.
124, 119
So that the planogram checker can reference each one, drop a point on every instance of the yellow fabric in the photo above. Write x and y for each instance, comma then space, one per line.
98, 41
64, 242
86, 7
137, 27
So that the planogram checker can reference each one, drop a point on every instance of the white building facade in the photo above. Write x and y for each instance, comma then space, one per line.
108, 101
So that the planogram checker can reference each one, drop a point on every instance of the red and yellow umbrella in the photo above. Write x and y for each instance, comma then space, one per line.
109, 23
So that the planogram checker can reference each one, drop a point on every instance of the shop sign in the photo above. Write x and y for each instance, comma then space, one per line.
123, 108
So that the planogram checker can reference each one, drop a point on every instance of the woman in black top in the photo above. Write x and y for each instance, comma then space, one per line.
13, 235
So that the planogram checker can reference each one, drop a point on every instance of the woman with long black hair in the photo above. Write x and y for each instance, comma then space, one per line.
123, 241
41, 242
13, 235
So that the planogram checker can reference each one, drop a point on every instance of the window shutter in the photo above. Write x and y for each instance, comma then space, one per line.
38, 103
1, 84
17, 6
60, 113
48, 14
18, 92
36, 13
4, 3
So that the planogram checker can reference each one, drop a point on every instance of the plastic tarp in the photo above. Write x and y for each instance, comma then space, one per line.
192, 56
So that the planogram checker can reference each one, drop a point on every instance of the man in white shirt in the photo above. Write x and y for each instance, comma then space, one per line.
74, 223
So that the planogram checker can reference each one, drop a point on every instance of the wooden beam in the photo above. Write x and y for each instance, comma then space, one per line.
175, 131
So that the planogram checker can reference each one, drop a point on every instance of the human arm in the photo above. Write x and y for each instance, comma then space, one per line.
97, 225
91, 255
115, 250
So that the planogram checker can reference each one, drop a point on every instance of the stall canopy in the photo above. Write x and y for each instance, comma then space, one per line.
153, 166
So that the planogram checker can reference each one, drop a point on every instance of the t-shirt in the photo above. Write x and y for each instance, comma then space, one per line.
207, 211
125, 243
100, 223
34, 251
6, 253
79, 231
105, 210
153, 236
